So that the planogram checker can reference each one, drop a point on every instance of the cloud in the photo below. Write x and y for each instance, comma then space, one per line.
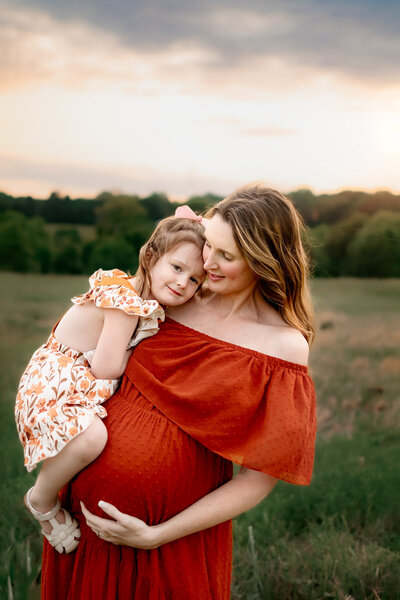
357, 39
35, 49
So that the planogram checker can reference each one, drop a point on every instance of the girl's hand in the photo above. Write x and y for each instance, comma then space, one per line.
123, 530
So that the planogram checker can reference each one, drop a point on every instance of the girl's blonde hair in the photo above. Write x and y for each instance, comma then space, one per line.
267, 230
169, 233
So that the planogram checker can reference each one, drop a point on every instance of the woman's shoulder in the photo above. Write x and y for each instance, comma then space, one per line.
280, 338
266, 336
288, 344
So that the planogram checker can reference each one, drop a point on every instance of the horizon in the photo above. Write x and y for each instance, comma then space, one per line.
181, 200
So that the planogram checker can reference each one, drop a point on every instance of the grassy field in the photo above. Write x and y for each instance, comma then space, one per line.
336, 539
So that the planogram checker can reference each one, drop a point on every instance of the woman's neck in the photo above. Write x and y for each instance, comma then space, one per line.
244, 304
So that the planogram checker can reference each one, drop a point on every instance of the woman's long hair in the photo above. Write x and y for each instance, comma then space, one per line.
267, 230
169, 233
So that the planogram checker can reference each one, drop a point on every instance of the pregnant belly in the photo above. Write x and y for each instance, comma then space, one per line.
150, 468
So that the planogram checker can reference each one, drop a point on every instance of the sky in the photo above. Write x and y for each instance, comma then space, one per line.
193, 97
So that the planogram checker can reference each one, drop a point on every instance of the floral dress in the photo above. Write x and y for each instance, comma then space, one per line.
58, 396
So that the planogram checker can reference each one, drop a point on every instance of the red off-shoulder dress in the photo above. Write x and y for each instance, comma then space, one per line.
189, 405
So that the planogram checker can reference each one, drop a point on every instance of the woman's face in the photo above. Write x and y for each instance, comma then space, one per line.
227, 269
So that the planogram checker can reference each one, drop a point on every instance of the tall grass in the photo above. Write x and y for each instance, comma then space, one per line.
336, 539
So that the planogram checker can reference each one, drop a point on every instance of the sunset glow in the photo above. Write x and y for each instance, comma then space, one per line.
186, 102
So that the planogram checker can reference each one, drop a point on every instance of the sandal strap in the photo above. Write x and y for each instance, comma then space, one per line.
39, 515
64, 537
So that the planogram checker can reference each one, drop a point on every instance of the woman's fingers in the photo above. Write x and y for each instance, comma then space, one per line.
94, 522
111, 510
121, 529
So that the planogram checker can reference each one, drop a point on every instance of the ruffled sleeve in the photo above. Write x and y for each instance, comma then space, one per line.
255, 410
113, 289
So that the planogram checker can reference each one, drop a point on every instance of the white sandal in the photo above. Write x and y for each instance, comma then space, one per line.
64, 537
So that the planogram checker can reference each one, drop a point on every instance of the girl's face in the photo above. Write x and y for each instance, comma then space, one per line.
227, 269
177, 274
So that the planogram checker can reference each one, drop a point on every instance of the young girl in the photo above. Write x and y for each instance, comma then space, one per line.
59, 402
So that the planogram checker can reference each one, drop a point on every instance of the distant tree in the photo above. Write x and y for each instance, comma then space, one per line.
375, 251
320, 262
157, 206
68, 260
24, 243
67, 235
201, 203
124, 217
68, 251
110, 253
59, 209
307, 204
40, 241
5, 201
337, 242
336, 207
26, 205
384, 200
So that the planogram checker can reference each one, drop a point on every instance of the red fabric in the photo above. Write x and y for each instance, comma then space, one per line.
253, 409
196, 403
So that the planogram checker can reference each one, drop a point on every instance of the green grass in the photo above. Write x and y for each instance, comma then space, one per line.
338, 537
335, 539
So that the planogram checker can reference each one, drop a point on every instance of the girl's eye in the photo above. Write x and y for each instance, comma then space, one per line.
194, 280
176, 267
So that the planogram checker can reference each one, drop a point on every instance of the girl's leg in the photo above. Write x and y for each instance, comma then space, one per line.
58, 470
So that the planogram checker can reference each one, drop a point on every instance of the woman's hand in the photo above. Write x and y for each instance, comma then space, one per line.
226, 502
123, 530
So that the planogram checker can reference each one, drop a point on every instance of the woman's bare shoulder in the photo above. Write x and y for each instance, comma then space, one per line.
287, 343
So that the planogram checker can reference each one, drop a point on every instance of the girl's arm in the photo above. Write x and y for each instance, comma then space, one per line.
111, 355
224, 503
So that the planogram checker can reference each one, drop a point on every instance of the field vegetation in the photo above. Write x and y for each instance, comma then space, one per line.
336, 539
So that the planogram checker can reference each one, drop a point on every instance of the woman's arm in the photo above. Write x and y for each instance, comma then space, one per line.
224, 503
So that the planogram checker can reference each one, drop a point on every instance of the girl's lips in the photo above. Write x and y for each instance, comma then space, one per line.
171, 290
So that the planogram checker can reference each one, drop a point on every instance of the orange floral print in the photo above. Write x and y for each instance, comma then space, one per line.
85, 385
63, 361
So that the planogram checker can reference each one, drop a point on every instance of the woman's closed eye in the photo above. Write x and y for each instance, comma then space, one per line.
225, 256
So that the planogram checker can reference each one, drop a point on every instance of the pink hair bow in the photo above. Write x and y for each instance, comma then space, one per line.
185, 212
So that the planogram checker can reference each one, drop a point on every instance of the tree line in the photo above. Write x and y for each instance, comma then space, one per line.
349, 233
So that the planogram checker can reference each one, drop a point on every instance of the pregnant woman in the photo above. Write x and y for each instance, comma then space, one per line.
224, 381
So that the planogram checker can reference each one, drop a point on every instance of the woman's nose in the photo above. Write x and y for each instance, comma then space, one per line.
208, 261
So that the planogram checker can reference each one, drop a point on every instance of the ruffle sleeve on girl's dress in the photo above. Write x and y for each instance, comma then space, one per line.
113, 289
253, 409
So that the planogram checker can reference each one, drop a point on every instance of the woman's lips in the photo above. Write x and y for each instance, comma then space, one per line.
215, 277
